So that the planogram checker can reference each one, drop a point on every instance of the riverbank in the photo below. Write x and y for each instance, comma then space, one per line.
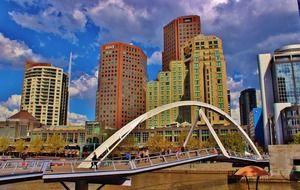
219, 168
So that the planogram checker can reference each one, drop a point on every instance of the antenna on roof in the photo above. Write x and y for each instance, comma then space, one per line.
69, 83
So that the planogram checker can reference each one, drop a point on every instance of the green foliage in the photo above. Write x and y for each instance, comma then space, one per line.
193, 143
231, 141
297, 138
157, 142
20, 146
55, 144
36, 145
128, 144
234, 142
4, 144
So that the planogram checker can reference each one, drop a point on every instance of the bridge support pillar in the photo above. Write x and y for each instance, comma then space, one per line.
81, 185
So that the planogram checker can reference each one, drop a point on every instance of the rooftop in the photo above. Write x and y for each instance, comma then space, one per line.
23, 114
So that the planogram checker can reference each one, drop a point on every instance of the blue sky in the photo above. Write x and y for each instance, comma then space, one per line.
48, 30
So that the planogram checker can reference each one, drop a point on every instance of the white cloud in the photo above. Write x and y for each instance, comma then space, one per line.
235, 85
235, 114
13, 102
85, 86
274, 42
64, 22
155, 58
76, 119
119, 20
9, 107
235, 88
13, 52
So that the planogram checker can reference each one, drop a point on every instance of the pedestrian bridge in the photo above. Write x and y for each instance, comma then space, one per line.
110, 171
12, 171
116, 171
69, 171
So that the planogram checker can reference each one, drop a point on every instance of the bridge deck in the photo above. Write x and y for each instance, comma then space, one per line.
17, 171
69, 171
51, 171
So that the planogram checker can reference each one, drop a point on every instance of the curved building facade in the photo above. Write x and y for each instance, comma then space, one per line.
121, 94
45, 93
280, 89
176, 34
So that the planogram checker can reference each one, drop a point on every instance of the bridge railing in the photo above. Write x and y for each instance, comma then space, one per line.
22, 166
245, 155
71, 166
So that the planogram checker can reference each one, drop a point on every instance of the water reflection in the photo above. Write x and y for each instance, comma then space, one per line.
164, 181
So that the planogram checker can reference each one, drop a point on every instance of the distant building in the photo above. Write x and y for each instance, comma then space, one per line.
247, 102
121, 94
70, 134
173, 132
45, 93
167, 89
96, 133
229, 102
280, 91
206, 80
299, 6
200, 76
18, 126
256, 126
176, 34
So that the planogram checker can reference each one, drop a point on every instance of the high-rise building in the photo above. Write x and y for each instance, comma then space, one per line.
121, 94
167, 89
280, 92
256, 126
206, 77
200, 76
229, 101
45, 93
176, 33
247, 102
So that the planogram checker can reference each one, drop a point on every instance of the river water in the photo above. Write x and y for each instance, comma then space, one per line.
164, 181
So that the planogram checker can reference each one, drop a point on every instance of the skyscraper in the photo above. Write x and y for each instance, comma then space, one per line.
167, 89
45, 93
200, 76
206, 77
280, 91
247, 102
121, 94
176, 33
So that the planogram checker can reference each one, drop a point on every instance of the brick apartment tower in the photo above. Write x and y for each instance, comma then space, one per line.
121, 94
176, 33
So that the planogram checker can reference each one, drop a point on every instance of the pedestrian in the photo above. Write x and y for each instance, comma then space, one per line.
162, 154
178, 152
146, 154
24, 163
138, 156
127, 157
94, 161
169, 150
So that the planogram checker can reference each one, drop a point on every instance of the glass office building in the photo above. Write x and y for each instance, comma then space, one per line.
280, 90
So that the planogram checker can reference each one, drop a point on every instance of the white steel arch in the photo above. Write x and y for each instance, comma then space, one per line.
113, 141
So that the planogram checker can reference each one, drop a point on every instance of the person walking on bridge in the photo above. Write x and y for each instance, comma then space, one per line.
94, 161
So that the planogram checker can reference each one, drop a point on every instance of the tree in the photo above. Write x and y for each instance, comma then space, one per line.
193, 143
231, 141
157, 142
297, 138
56, 144
20, 146
4, 144
36, 145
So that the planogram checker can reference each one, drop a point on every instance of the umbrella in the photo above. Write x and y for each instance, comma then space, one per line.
251, 171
